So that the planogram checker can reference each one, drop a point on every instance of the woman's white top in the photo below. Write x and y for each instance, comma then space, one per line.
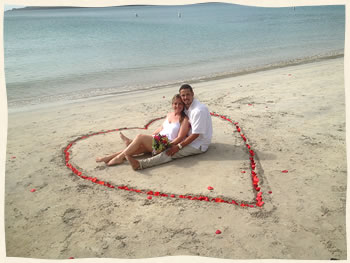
171, 130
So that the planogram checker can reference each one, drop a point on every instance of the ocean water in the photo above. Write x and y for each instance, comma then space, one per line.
66, 54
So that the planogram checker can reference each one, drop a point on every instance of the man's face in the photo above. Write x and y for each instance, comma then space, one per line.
187, 97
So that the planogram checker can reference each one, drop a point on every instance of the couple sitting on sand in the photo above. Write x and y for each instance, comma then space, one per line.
186, 131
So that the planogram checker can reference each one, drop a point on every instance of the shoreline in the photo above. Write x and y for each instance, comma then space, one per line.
76, 97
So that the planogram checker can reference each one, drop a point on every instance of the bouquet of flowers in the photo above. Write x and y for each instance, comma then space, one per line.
160, 143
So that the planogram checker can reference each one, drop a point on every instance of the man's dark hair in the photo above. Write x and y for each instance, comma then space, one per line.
186, 86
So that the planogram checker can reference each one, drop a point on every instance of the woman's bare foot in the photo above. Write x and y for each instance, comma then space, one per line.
133, 162
106, 159
125, 139
103, 159
116, 160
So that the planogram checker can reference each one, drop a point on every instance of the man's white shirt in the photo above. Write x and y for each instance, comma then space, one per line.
200, 120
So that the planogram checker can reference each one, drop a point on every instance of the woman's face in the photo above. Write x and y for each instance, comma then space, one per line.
178, 105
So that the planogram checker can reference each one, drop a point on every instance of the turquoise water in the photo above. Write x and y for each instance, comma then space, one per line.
66, 54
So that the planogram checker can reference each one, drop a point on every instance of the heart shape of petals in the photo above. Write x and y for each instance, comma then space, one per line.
258, 202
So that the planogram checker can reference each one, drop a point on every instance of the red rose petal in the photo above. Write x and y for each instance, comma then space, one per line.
149, 197
218, 232
210, 188
71, 258
260, 203
285, 171
250, 104
172, 195
243, 172
33, 190
13, 157
270, 192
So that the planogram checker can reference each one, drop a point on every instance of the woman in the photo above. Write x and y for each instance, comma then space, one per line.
175, 128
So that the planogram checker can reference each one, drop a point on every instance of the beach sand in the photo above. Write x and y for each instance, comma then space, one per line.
294, 119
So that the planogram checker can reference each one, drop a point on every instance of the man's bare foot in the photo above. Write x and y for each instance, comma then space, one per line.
133, 162
125, 139
116, 160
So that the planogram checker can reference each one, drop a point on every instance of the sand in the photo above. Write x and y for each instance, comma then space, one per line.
294, 119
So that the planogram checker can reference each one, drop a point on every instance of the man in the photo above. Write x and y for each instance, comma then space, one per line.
197, 142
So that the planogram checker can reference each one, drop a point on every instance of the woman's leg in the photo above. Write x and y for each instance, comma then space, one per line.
125, 139
106, 159
141, 144
120, 159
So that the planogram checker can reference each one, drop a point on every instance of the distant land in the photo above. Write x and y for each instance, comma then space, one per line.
57, 7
